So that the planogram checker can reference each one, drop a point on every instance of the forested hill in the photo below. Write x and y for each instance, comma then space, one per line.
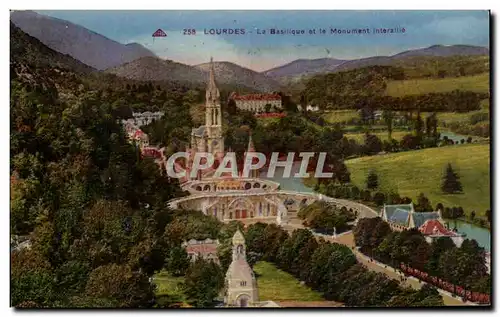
27, 49
92, 209
367, 87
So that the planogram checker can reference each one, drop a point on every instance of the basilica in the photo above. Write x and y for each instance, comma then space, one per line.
225, 196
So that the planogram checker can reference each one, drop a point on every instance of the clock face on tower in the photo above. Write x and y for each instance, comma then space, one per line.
214, 143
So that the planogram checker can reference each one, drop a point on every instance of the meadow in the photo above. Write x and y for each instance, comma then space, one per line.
477, 83
383, 136
169, 288
414, 172
277, 285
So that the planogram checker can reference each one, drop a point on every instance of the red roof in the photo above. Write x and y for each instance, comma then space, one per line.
435, 227
257, 97
138, 133
151, 151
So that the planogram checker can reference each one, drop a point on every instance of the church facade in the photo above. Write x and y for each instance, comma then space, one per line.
240, 285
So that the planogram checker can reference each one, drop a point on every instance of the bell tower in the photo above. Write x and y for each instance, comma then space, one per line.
213, 115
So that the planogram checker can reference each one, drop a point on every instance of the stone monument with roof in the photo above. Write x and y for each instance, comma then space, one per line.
241, 285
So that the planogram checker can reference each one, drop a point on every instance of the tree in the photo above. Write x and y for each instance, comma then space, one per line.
419, 125
120, 283
421, 256
423, 204
372, 180
178, 261
440, 207
461, 71
379, 198
388, 116
451, 181
203, 282
373, 145
472, 215
488, 215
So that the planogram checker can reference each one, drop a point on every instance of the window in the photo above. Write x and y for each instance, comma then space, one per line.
243, 283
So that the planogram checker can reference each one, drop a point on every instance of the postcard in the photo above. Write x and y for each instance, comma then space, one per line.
250, 159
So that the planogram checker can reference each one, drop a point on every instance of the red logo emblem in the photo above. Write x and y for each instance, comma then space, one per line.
159, 33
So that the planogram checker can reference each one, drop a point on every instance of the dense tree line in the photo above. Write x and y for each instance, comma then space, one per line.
93, 209
464, 266
332, 269
365, 88
324, 217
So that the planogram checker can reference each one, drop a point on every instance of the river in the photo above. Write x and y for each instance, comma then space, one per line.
481, 235
456, 137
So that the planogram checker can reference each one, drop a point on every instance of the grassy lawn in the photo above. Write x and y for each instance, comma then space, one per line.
478, 83
168, 286
340, 116
454, 117
414, 172
383, 136
277, 285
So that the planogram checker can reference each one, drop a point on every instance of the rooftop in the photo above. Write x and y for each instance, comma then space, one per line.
256, 97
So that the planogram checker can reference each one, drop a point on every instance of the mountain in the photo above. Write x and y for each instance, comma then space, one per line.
445, 50
230, 73
29, 50
84, 45
306, 67
156, 69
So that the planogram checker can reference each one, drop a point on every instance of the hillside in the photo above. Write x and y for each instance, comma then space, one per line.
304, 67
227, 74
477, 83
156, 69
445, 50
437, 53
82, 44
27, 49
414, 172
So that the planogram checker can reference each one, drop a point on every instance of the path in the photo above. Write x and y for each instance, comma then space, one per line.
348, 240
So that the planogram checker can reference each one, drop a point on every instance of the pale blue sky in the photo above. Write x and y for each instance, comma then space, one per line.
260, 52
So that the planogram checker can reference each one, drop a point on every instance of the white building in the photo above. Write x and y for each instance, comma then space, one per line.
256, 102
309, 108
145, 118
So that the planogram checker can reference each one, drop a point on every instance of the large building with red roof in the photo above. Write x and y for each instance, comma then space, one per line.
256, 102
430, 224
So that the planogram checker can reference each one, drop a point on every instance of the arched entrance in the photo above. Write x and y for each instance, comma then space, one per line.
243, 300
241, 208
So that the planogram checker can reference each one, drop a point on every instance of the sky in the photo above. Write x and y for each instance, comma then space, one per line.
264, 51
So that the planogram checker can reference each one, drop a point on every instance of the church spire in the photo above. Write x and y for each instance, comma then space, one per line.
212, 94
251, 147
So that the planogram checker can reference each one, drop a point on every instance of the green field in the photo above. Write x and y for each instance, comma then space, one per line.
414, 172
455, 117
477, 83
383, 136
276, 285
340, 116
169, 287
